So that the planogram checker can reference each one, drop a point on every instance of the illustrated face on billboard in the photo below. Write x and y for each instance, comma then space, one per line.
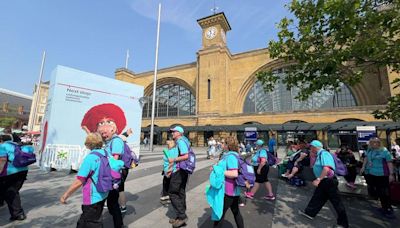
107, 119
107, 128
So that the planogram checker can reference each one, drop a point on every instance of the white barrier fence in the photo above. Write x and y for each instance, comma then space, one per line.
68, 157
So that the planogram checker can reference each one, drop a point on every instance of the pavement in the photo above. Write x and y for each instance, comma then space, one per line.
40, 199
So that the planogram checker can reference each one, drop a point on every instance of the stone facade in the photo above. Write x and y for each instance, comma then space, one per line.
230, 78
38, 108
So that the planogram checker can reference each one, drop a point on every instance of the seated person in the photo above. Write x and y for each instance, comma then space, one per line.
297, 161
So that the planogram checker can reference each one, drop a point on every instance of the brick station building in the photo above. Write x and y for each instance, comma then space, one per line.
218, 95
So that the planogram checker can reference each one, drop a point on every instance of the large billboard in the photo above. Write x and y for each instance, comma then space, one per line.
78, 100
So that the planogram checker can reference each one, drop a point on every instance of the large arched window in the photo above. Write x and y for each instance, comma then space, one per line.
171, 100
282, 100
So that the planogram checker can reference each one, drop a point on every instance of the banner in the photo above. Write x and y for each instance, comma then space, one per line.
78, 100
365, 133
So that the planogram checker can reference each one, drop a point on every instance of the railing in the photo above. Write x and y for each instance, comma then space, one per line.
67, 157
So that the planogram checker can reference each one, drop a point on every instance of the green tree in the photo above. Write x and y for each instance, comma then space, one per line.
332, 42
7, 121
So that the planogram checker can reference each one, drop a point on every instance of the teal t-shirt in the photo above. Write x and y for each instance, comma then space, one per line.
117, 145
376, 157
256, 159
172, 153
183, 145
324, 158
89, 172
232, 163
7, 151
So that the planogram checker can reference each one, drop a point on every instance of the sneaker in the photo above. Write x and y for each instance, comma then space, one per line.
249, 195
242, 204
388, 214
172, 220
105, 206
271, 197
305, 214
19, 217
162, 198
179, 222
123, 209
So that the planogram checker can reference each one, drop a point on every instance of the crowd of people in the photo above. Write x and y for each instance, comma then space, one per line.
104, 170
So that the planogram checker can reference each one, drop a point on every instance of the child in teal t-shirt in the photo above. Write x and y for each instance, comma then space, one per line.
88, 174
168, 169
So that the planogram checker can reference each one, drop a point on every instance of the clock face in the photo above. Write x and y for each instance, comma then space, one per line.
211, 33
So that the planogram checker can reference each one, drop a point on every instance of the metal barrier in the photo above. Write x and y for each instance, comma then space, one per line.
62, 157
67, 157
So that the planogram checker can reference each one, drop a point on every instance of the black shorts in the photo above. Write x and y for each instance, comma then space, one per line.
263, 176
124, 175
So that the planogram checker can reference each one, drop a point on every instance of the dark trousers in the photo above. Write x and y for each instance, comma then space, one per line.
91, 216
113, 208
327, 190
231, 202
351, 174
9, 190
378, 186
177, 192
166, 181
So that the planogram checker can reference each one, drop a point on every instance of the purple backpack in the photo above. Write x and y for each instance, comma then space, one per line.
105, 179
246, 171
22, 158
189, 164
341, 169
271, 159
129, 157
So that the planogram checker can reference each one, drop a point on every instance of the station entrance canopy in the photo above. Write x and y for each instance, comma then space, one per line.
337, 126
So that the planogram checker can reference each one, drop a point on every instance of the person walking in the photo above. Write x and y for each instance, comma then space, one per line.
179, 179
261, 168
230, 164
11, 178
378, 170
88, 175
326, 186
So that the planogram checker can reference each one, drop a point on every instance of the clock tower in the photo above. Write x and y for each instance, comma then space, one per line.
213, 85
214, 30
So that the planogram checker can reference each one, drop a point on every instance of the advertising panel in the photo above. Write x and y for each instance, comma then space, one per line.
77, 102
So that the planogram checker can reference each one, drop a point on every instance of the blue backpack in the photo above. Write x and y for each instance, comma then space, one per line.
189, 164
246, 171
105, 179
22, 158
129, 157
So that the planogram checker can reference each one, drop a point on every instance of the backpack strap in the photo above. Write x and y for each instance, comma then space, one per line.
91, 173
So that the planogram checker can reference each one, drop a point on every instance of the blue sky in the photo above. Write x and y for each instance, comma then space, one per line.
93, 35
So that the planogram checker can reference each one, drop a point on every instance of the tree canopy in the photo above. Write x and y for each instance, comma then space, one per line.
331, 42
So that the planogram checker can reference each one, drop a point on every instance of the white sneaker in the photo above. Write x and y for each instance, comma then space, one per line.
163, 198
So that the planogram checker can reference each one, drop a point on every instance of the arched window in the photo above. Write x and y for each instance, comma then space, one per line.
283, 100
171, 100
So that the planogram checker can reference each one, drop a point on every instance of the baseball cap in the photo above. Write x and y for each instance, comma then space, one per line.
316, 143
260, 142
178, 129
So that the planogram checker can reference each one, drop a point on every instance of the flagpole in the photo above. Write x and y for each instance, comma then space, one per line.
127, 59
155, 80
38, 91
